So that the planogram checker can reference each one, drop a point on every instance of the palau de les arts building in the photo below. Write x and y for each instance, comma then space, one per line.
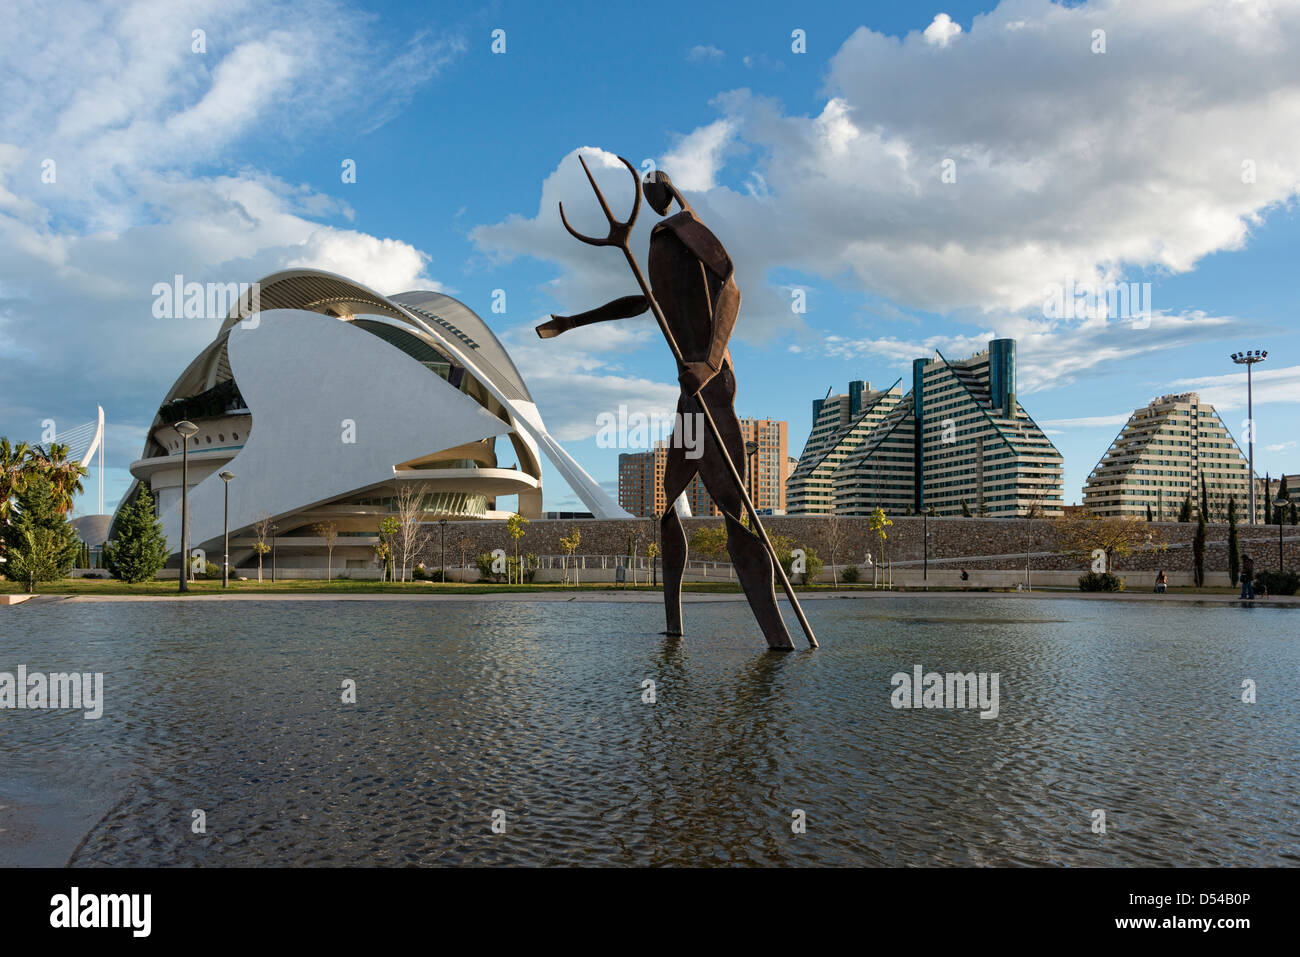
327, 400
956, 441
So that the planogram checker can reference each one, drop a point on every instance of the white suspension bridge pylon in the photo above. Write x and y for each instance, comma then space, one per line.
84, 442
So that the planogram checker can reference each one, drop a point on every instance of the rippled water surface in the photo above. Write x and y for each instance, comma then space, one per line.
536, 709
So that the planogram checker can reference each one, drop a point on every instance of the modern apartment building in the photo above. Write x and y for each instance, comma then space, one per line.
957, 441
641, 474
840, 424
1159, 459
767, 467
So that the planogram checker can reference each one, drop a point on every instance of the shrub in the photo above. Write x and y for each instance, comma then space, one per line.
484, 565
851, 574
1100, 581
1278, 583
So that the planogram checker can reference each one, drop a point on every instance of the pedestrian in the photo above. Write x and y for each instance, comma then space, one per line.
1247, 577
1162, 582
965, 576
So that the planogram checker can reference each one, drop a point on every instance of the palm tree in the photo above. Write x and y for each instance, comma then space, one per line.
15, 470
64, 474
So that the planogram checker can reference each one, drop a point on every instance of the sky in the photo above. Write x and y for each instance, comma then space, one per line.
890, 179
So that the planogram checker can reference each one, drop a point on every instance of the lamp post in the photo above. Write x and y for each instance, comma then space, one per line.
1248, 359
442, 524
751, 449
185, 428
273, 531
1280, 505
225, 523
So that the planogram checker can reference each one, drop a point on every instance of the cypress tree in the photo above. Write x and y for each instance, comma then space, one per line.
1205, 501
1185, 513
1268, 502
1234, 550
1148, 511
40, 544
140, 549
1198, 553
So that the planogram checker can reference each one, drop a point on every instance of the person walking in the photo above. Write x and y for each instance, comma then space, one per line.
1247, 577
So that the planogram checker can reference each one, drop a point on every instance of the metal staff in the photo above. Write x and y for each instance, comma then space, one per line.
620, 235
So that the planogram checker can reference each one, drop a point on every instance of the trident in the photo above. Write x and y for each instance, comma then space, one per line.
619, 235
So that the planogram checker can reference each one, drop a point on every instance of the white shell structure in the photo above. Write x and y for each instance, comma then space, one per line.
324, 398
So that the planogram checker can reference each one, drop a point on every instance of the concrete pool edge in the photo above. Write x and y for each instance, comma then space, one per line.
642, 597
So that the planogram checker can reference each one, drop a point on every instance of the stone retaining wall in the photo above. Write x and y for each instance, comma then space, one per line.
953, 541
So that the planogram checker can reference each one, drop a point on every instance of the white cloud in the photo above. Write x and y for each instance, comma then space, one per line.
704, 52
1229, 391
134, 123
1049, 353
577, 376
941, 31
1280, 446
1069, 165
1087, 422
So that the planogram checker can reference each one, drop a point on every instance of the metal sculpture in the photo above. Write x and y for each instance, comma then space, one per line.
693, 295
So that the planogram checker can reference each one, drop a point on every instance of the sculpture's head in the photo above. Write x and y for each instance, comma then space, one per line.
660, 193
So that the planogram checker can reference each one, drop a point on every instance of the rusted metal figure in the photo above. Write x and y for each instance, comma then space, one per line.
695, 300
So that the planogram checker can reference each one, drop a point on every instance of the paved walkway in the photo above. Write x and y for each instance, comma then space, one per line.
633, 597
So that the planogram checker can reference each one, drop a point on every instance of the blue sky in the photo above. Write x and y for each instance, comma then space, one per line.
823, 171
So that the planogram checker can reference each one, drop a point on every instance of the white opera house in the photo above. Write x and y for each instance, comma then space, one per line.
328, 397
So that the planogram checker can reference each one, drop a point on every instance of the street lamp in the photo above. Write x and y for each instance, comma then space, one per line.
751, 449
1280, 503
273, 531
442, 524
1248, 359
185, 428
225, 523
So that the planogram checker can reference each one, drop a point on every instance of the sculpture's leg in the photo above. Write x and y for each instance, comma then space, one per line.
673, 538
678, 472
757, 578
748, 555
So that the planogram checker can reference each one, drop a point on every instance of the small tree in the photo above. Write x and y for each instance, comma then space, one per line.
262, 531
411, 536
386, 550
328, 532
140, 551
1082, 535
515, 529
570, 546
965, 509
1234, 549
1185, 512
879, 525
464, 543
1149, 518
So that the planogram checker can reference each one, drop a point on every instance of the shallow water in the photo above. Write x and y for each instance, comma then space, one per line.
536, 709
